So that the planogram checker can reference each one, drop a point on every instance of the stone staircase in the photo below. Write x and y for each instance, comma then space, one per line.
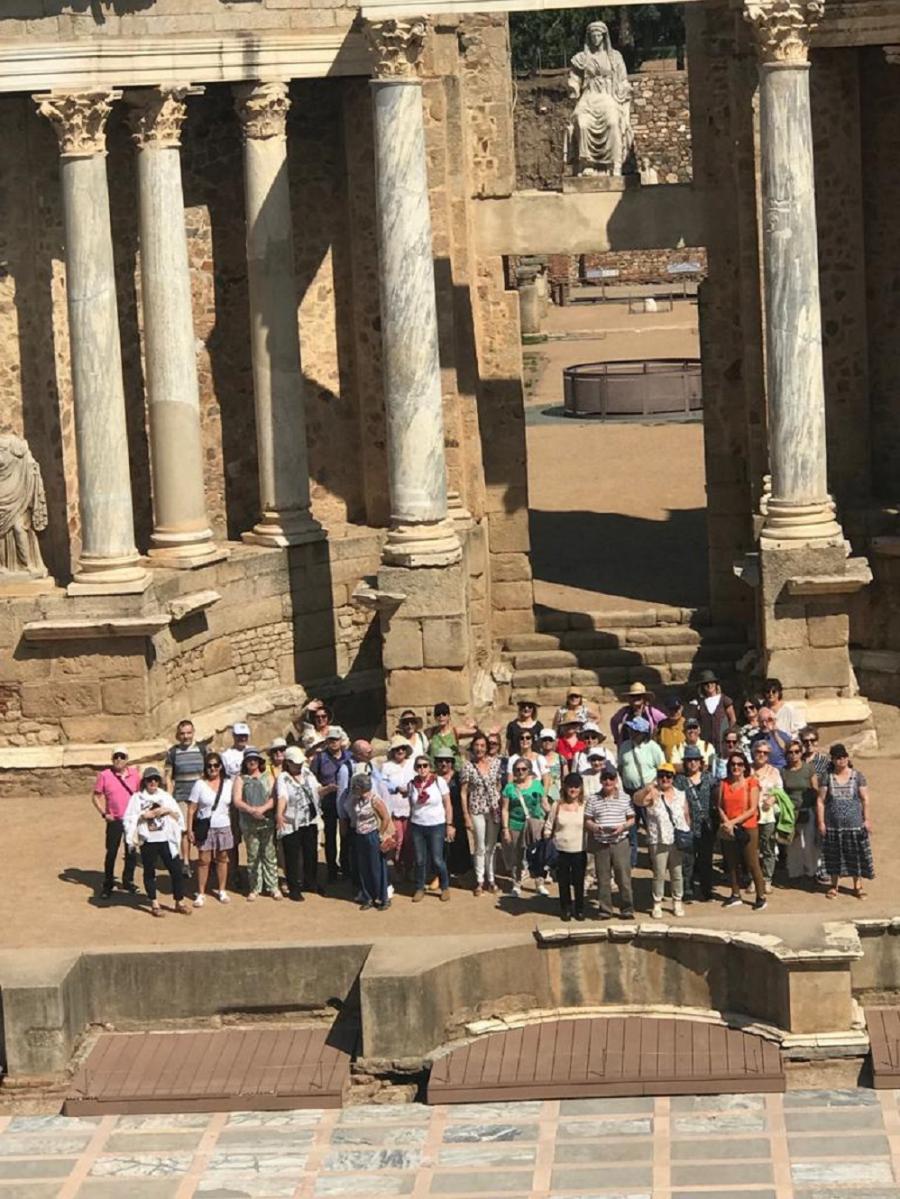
602, 653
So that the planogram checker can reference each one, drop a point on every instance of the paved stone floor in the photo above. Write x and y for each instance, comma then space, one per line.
802, 1145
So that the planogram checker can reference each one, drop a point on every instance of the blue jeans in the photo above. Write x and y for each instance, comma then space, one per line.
372, 868
428, 841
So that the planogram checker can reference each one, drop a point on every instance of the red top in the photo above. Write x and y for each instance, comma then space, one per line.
736, 799
568, 749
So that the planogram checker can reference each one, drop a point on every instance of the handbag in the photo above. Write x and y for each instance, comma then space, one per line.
202, 827
541, 856
683, 840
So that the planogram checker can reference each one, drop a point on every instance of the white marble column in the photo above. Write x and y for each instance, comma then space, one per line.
800, 508
420, 533
275, 340
181, 534
108, 561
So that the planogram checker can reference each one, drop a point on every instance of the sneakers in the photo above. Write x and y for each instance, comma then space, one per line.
131, 888
678, 908
768, 887
516, 891
390, 891
579, 915
445, 896
252, 897
418, 897
656, 913
478, 890
106, 893
198, 901
565, 917
733, 901
760, 905
276, 894
223, 897
542, 888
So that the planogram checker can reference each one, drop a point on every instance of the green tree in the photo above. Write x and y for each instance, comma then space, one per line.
546, 40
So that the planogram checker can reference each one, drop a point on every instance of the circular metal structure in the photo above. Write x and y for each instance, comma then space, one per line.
661, 388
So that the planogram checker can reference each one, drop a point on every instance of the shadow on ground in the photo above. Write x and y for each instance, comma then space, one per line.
611, 553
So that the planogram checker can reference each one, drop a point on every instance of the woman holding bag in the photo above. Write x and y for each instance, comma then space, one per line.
210, 831
153, 822
668, 817
739, 830
374, 837
523, 809
565, 823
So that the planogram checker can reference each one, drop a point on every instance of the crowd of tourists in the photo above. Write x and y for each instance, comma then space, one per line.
703, 787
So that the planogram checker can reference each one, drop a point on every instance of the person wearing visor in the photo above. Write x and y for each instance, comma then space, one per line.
668, 819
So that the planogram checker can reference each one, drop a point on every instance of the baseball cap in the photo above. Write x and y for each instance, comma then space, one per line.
119, 751
692, 723
278, 743
240, 729
294, 754
333, 733
609, 771
151, 772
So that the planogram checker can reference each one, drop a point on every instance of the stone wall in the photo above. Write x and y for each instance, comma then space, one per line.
660, 116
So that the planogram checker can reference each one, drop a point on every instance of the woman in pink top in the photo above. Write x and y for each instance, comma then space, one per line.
113, 790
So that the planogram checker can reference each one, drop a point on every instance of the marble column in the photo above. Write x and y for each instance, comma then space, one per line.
181, 534
421, 533
108, 561
800, 508
275, 340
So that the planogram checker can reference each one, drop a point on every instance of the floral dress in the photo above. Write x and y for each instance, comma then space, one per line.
484, 789
846, 848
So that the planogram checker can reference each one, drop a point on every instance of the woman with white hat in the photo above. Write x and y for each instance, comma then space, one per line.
398, 773
593, 737
574, 709
296, 822
153, 822
638, 702
410, 726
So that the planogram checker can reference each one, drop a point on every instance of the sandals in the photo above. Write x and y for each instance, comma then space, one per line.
157, 911
859, 893
831, 893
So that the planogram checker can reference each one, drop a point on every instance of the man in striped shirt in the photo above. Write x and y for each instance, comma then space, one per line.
184, 765
609, 817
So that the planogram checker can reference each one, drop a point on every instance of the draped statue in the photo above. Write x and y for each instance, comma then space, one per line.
600, 136
23, 510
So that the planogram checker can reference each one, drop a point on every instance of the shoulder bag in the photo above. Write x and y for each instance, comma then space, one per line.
683, 839
202, 827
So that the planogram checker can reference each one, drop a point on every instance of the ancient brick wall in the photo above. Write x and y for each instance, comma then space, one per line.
660, 116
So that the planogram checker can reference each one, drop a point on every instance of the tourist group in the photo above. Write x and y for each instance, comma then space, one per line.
562, 804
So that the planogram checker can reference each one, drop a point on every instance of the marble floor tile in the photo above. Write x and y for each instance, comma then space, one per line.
526, 1109
629, 1179
719, 1122
578, 1129
861, 1145
604, 1195
852, 1173
240, 1186
459, 1133
372, 1134
817, 1191
730, 1193
143, 1188
69, 1125
152, 1142
236, 1161
723, 1174
392, 1113
369, 1184
140, 1165
836, 1120
482, 1183
37, 1145
175, 1122
718, 1103
372, 1159
577, 1153
705, 1149
638, 1105
36, 1167
509, 1154
858, 1098
303, 1118
29, 1190
258, 1140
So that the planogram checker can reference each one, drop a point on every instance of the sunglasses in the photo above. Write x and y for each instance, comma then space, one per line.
120, 757
810, 740
664, 774
731, 741
521, 770
750, 707
423, 765
213, 765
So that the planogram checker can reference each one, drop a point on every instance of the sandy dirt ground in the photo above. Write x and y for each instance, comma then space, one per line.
618, 510
51, 880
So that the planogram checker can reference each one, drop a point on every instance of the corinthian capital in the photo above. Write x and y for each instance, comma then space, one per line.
396, 46
263, 109
157, 114
783, 27
78, 119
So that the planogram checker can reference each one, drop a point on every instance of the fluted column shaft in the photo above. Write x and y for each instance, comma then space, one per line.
800, 508
108, 560
181, 533
420, 532
275, 341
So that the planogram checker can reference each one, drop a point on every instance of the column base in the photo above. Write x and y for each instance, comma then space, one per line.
169, 551
124, 575
278, 530
786, 524
434, 544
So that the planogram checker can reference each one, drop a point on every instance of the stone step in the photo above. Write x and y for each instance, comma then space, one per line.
558, 678
646, 655
625, 638
549, 620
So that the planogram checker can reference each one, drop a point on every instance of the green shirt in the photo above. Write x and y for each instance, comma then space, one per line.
522, 804
445, 741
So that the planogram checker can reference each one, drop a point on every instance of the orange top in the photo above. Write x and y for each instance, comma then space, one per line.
736, 799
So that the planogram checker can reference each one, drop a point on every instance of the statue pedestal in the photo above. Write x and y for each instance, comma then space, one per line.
600, 183
14, 586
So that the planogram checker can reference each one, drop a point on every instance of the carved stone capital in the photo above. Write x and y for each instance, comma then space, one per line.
157, 114
263, 109
78, 119
783, 27
396, 46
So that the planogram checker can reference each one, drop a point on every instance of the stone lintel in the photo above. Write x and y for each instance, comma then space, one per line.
74, 753
99, 627
857, 576
189, 605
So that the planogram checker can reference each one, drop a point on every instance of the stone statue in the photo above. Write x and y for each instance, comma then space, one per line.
23, 509
600, 136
